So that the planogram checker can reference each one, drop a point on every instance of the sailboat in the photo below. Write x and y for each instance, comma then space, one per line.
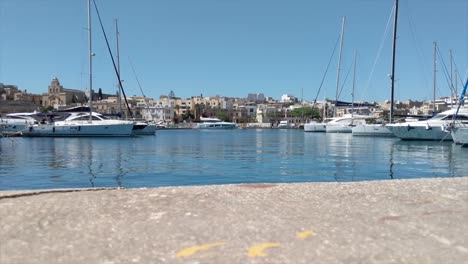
382, 130
314, 126
140, 128
81, 124
459, 128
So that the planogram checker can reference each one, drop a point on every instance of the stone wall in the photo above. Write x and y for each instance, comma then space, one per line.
7, 107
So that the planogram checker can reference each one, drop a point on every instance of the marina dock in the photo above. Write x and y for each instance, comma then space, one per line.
389, 221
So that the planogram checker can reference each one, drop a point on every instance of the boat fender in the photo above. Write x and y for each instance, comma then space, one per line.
428, 127
79, 128
30, 128
53, 129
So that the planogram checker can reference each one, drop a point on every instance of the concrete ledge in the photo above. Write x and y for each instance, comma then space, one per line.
398, 221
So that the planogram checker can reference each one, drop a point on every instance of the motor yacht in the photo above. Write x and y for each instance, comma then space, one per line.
141, 128
314, 126
283, 124
430, 129
80, 124
14, 123
372, 127
459, 134
344, 124
215, 123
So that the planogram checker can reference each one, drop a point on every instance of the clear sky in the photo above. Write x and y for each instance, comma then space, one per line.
235, 47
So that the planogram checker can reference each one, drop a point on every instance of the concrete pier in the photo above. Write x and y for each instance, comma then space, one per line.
397, 221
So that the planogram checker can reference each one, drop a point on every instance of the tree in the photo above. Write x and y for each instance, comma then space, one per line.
307, 112
223, 116
47, 109
99, 94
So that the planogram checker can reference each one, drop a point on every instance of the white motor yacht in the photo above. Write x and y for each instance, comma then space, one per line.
375, 130
344, 124
144, 129
283, 124
372, 127
79, 124
314, 126
215, 123
14, 123
460, 134
430, 129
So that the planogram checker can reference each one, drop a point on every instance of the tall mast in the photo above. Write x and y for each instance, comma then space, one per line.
435, 76
451, 75
393, 61
90, 62
354, 84
118, 68
339, 65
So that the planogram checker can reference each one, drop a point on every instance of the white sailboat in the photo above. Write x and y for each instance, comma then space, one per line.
141, 127
81, 124
459, 128
382, 130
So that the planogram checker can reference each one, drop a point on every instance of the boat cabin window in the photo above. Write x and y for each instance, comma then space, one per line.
86, 118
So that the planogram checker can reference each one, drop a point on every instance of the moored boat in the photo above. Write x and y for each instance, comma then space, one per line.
316, 126
460, 135
14, 123
81, 124
215, 123
141, 128
283, 124
430, 129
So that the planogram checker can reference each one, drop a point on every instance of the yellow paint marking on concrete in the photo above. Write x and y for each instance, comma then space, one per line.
257, 250
192, 250
304, 234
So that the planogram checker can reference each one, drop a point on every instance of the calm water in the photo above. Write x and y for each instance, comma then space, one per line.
192, 157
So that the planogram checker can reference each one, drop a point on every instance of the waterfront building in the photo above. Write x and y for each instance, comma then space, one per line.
58, 96
158, 114
256, 97
287, 98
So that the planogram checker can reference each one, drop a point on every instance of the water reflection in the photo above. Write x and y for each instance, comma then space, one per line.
192, 157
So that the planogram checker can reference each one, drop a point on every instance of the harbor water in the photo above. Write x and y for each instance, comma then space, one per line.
196, 157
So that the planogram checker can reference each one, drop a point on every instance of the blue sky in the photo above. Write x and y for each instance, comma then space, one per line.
234, 47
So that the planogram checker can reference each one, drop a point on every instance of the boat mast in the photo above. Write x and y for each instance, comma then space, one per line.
90, 63
393, 61
354, 84
118, 67
451, 75
339, 65
435, 75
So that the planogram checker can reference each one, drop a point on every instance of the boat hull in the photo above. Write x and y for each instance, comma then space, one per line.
419, 132
12, 128
460, 135
315, 127
220, 125
147, 130
77, 129
338, 128
372, 130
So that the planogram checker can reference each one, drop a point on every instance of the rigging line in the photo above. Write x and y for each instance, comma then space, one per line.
136, 77
112, 57
458, 73
326, 70
446, 73
139, 85
344, 82
379, 52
